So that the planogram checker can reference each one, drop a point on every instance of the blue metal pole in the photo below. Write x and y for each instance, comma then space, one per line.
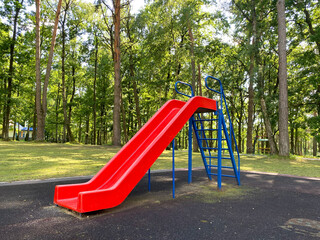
173, 175
190, 152
219, 146
149, 180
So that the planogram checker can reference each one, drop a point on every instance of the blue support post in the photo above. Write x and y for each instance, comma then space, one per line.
234, 165
219, 146
173, 175
149, 180
190, 152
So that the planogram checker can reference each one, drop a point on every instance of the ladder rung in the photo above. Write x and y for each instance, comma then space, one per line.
221, 166
203, 120
209, 148
223, 175
207, 129
223, 139
217, 157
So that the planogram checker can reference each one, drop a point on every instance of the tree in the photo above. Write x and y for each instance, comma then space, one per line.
66, 126
41, 101
116, 140
252, 28
132, 63
283, 84
192, 57
8, 84
251, 76
165, 42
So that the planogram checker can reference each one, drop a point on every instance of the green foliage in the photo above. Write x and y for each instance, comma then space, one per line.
155, 53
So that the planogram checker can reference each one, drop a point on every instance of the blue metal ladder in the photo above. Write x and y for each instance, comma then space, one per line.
214, 137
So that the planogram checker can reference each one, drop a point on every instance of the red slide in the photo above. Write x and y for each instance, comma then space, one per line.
113, 183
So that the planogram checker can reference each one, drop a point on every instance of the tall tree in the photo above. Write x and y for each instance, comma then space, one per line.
251, 76
94, 108
41, 101
283, 83
251, 26
66, 125
8, 85
272, 143
132, 66
116, 139
192, 61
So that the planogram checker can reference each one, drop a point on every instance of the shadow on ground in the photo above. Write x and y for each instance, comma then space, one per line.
264, 207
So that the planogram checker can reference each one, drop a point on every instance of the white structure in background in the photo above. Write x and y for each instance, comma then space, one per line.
20, 131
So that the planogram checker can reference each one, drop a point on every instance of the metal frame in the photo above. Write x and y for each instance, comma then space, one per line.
221, 128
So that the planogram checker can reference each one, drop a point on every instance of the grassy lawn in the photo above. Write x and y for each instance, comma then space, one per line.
27, 160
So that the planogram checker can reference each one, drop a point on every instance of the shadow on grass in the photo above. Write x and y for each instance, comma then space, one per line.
27, 160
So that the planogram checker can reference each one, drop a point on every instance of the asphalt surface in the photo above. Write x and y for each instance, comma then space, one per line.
263, 207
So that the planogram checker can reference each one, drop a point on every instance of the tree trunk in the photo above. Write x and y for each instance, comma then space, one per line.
272, 143
34, 131
4, 110
283, 85
67, 120
80, 130
292, 139
86, 141
101, 130
296, 141
41, 104
256, 137
28, 134
193, 64
250, 113
14, 131
239, 135
40, 128
251, 76
199, 79
18, 136
130, 124
314, 146
63, 85
193, 83
116, 139
124, 123
57, 112
240, 121
94, 109
70, 135
7, 106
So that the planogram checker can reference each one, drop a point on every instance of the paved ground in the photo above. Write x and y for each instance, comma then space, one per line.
264, 207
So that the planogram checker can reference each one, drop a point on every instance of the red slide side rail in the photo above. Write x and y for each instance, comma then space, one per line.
113, 183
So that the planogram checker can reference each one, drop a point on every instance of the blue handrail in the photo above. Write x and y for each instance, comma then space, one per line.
207, 86
223, 100
192, 93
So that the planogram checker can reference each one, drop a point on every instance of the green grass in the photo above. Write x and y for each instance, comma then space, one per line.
27, 160
294, 165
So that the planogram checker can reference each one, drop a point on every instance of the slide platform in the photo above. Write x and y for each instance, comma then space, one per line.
114, 182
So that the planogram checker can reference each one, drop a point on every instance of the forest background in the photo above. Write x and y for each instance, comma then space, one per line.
94, 96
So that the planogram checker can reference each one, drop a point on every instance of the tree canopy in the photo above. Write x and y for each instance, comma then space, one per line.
94, 96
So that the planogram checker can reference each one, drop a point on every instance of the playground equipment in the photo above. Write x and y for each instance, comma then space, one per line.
213, 148
113, 183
